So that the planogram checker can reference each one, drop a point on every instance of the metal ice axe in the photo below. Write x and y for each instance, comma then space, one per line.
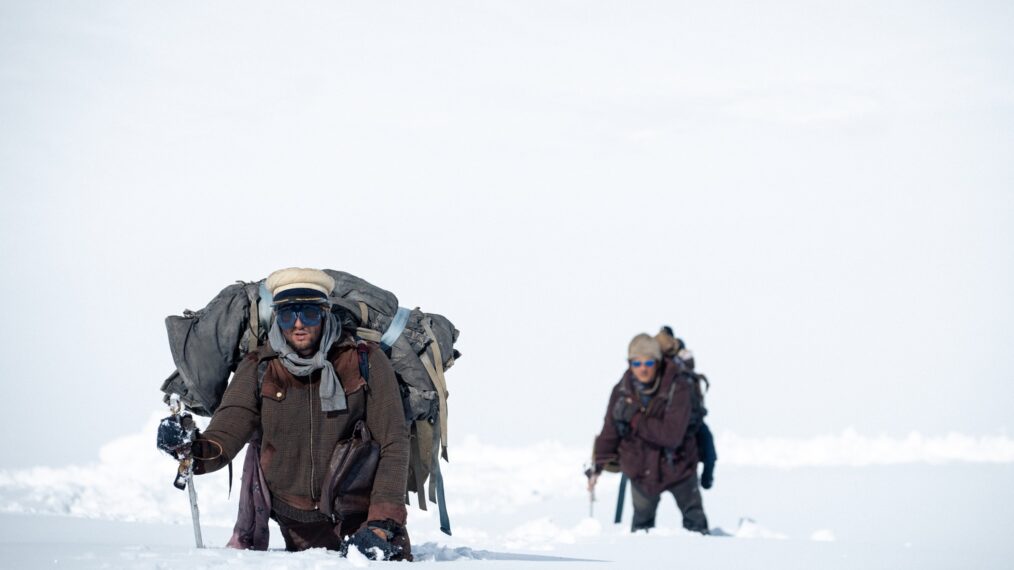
185, 474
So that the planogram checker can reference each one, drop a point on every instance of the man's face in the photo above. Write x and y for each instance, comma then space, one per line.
302, 337
639, 365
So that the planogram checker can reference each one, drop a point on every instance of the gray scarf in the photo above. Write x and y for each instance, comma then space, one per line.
332, 395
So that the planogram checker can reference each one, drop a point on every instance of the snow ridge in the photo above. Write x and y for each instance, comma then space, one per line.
132, 481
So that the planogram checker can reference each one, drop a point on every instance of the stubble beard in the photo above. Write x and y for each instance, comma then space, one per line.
310, 343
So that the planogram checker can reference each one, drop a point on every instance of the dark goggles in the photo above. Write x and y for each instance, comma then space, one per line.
309, 315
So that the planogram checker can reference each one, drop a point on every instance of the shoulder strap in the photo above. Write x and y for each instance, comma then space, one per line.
262, 369
363, 349
255, 321
668, 396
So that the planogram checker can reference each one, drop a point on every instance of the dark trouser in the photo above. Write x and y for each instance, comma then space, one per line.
688, 499
324, 534
303, 535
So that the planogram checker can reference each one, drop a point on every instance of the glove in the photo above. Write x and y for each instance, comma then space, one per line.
622, 428
368, 543
592, 473
175, 435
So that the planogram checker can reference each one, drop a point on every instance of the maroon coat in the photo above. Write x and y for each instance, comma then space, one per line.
659, 451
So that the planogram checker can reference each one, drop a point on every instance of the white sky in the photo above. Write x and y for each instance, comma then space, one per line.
817, 196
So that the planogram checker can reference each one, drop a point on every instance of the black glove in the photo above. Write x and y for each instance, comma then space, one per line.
708, 475
622, 428
175, 434
367, 542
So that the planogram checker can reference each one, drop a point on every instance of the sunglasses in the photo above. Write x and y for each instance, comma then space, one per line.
309, 315
638, 363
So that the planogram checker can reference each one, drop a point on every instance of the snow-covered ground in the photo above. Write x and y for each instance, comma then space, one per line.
842, 501
818, 196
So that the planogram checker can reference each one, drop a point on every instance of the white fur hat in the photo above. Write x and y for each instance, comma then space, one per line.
298, 284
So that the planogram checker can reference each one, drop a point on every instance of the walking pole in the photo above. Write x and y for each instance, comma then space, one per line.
185, 474
619, 499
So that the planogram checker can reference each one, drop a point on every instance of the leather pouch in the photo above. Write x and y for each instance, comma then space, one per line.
348, 481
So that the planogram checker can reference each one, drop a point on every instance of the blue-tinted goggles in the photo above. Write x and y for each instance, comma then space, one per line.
309, 315
640, 363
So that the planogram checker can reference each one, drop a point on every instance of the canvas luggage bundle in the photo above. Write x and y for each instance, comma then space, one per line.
207, 346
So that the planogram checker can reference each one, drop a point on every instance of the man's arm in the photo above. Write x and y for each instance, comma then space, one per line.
385, 418
608, 440
233, 422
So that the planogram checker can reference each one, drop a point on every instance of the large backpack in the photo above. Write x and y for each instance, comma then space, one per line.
207, 346
685, 359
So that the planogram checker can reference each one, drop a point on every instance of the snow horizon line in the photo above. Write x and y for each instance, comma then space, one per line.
851, 448
847, 448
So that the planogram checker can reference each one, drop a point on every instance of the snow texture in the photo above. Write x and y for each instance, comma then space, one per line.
127, 481
526, 506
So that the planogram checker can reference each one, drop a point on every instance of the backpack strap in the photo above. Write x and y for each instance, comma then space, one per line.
262, 369
434, 363
668, 397
702, 378
252, 336
255, 321
415, 459
370, 335
437, 481
363, 350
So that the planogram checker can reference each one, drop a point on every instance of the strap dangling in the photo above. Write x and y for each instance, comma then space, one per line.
364, 360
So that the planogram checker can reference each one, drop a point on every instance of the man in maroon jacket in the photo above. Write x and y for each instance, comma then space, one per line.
645, 431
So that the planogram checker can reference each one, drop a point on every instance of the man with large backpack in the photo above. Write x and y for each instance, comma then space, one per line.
645, 432
304, 395
674, 348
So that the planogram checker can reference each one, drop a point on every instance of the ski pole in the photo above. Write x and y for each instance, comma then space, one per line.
591, 492
619, 499
185, 474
